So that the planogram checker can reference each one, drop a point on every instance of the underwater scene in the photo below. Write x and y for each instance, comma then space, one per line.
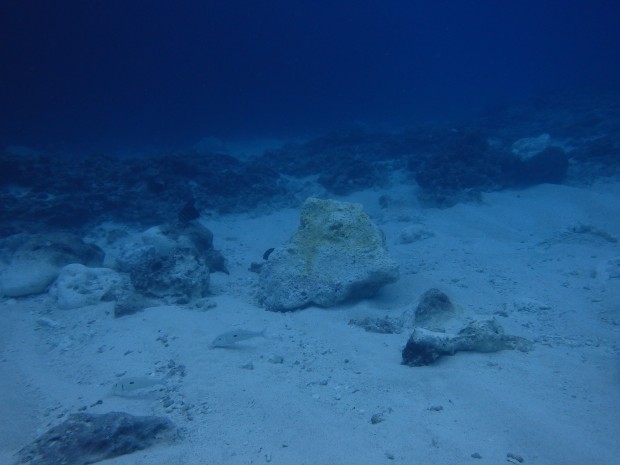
310, 232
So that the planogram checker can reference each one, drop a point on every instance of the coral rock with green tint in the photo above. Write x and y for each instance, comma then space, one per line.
336, 254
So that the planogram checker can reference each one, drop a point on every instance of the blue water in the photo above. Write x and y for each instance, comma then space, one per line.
154, 159
89, 76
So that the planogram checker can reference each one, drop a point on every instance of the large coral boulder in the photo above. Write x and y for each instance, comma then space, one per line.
336, 254
170, 263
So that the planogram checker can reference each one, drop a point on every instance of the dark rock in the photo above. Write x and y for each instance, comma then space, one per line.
177, 277
188, 212
89, 438
215, 261
255, 267
421, 351
267, 253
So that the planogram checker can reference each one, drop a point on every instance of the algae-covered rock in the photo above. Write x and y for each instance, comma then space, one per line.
337, 253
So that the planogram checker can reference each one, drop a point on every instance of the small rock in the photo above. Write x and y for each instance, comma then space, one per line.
514, 457
434, 309
384, 325
48, 323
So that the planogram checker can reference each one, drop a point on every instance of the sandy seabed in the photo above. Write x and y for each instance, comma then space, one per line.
318, 390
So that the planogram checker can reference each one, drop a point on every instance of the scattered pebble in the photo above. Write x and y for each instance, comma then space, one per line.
377, 418
436, 408
476, 455
48, 323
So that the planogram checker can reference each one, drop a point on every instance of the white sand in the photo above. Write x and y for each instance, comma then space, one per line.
559, 404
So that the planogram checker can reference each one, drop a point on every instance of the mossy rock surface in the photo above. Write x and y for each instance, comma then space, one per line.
335, 225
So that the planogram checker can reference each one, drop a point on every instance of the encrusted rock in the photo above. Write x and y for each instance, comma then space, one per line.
177, 277
169, 262
337, 253
425, 346
88, 438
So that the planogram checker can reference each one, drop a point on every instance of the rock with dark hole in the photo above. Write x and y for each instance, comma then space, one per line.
424, 346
